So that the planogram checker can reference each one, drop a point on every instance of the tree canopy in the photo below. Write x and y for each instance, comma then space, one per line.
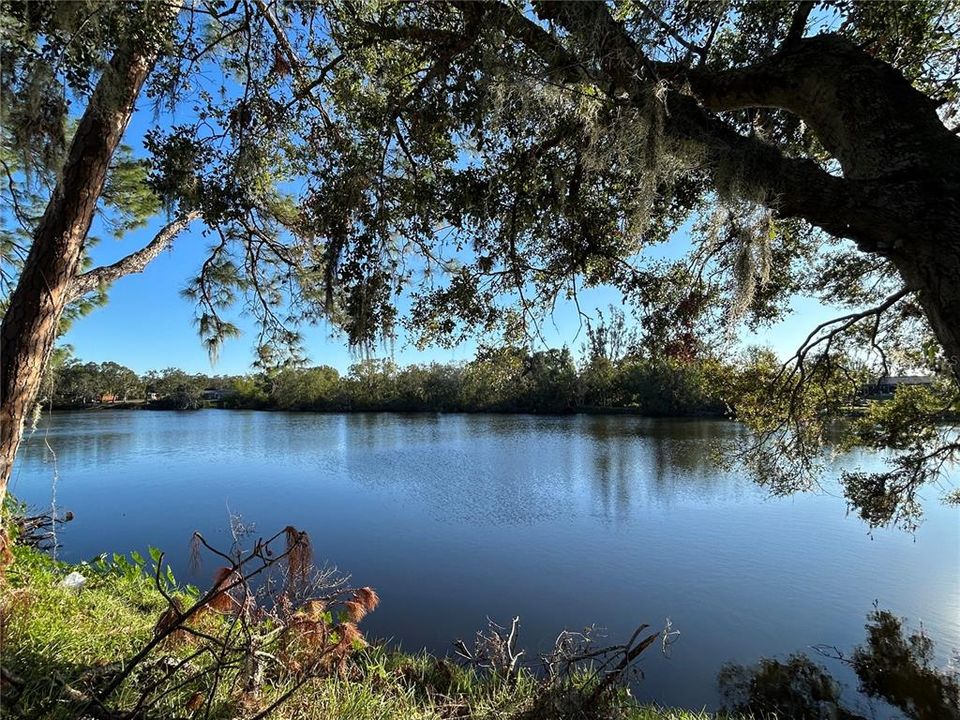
502, 379
489, 160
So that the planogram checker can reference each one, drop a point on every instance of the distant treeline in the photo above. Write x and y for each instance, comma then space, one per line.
497, 380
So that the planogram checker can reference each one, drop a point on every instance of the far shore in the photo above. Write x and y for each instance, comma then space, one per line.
211, 405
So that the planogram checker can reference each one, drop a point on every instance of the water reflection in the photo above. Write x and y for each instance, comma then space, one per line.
891, 667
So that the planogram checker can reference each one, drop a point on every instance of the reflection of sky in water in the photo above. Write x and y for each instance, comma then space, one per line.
565, 521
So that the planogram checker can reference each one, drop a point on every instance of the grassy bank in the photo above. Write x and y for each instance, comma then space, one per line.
59, 647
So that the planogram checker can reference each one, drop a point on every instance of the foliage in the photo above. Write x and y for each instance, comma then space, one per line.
212, 649
916, 423
784, 453
791, 413
178, 391
543, 183
293, 389
795, 411
504, 380
674, 388
126, 204
49, 630
81, 383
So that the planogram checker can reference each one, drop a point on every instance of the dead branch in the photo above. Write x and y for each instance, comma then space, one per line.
135, 262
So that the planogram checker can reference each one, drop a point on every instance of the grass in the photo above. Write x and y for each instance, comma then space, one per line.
53, 637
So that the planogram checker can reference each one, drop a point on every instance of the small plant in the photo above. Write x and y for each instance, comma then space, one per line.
577, 678
269, 623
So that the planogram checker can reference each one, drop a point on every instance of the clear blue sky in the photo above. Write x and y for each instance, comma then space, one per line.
148, 325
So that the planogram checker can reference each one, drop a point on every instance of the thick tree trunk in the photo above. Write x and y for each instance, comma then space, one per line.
46, 283
930, 264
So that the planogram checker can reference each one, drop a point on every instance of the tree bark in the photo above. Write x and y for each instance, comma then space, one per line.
901, 163
135, 262
49, 274
930, 264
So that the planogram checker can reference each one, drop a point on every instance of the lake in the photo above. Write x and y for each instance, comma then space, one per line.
564, 521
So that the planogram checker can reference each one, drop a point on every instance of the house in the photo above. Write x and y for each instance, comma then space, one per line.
886, 386
213, 394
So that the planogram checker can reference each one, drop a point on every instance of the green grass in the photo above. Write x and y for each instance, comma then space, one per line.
52, 637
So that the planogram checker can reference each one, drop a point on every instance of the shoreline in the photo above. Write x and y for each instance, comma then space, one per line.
589, 411
57, 638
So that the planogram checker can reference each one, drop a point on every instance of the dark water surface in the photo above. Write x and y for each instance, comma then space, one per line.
564, 521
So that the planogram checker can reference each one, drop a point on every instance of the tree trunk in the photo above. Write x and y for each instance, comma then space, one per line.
930, 264
46, 283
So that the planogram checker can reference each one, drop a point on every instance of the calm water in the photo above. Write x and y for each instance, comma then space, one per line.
563, 521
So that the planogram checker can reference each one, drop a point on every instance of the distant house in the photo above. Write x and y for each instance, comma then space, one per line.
213, 394
886, 386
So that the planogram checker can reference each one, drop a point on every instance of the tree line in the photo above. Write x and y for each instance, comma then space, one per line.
506, 379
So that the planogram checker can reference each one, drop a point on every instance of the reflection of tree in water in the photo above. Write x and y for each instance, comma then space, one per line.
663, 457
891, 666
372, 430
75, 449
